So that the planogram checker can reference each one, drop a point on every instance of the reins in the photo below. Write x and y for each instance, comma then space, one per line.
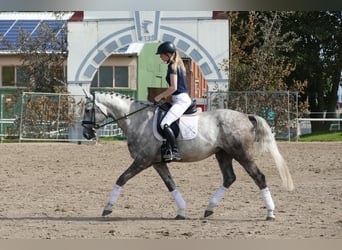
121, 118
97, 126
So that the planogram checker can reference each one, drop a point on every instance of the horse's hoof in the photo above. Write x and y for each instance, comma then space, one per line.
106, 212
207, 213
270, 218
107, 209
180, 217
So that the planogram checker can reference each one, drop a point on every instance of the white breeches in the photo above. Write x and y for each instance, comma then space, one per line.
180, 103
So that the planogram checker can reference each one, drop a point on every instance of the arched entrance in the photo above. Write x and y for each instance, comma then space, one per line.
194, 33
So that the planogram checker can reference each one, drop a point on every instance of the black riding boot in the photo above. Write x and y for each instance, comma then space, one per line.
170, 137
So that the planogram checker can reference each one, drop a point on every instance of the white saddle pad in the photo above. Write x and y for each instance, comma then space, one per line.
188, 126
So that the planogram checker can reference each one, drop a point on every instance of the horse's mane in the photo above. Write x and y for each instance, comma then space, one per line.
123, 96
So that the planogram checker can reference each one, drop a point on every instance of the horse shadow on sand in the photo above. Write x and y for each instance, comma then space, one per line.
119, 219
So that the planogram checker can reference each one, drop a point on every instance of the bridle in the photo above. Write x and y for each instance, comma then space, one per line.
93, 117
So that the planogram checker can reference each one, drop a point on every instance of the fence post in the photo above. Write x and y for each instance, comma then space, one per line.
288, 117
21, 116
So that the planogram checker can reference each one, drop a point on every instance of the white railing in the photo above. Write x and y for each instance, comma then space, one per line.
304, 124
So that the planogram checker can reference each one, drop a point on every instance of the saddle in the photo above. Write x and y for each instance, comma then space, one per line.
164, 108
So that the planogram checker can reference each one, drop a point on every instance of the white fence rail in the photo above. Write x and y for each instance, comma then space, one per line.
304, 124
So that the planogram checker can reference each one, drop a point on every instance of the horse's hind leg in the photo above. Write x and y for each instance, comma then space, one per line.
165, 174
259, 179
226, 166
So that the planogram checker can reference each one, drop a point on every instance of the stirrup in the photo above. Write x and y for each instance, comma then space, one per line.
176, 156
171, 156
167, 155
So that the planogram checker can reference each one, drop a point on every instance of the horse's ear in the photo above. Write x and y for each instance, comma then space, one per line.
87, 94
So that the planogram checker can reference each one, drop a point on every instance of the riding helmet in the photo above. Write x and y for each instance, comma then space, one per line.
166, 47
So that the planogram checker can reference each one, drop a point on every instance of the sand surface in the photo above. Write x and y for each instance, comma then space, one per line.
58, 191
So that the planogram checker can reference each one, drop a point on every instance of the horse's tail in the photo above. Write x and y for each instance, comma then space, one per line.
267, 143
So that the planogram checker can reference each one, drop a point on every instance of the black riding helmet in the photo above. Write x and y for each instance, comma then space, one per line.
166, 47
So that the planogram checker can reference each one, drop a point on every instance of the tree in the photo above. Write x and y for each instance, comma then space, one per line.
318, 59
259, 62
43, 58
43, 55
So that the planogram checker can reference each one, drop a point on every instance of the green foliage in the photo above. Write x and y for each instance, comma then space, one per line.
258, 60
318, 58
296, 51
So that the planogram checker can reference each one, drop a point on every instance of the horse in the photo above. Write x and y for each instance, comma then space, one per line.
225, 133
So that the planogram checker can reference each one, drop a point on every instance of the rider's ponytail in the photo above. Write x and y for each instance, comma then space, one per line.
177, 61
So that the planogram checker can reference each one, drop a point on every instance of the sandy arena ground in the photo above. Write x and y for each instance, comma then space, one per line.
58, 191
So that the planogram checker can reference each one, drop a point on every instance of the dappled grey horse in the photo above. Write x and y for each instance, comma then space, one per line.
226, 133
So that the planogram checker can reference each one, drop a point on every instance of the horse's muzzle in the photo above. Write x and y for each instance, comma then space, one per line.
89, 133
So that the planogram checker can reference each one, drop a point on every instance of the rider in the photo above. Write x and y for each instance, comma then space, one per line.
176, 79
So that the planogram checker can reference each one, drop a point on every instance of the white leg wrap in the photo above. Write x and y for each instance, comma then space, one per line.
266, 196
216, 197
114, 195
179, 201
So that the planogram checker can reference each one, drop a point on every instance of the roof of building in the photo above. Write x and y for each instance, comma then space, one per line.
131, 49
35, 15
12, 22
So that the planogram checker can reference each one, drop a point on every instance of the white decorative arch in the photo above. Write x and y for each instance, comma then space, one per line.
194, 33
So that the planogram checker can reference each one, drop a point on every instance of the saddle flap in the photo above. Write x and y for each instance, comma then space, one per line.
162, 110
184, 128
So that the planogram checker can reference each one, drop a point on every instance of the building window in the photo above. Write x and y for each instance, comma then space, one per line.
8, 76
13, 76
111, 77
16, 76
121, 77
106, 77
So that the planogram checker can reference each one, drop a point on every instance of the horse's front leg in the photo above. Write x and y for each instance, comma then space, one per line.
165, 174
136, 167
226, 166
